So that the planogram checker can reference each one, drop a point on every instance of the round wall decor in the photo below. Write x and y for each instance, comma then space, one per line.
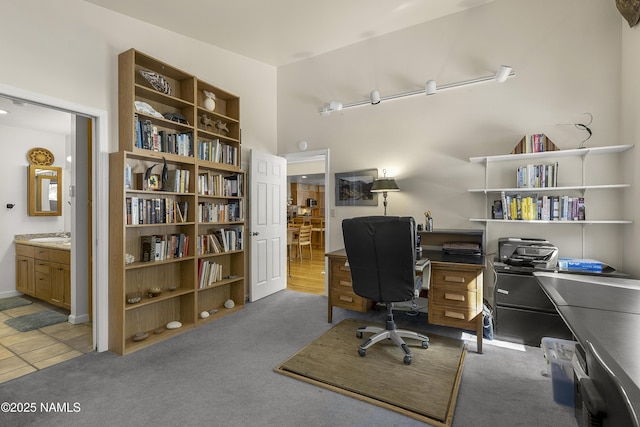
40, 156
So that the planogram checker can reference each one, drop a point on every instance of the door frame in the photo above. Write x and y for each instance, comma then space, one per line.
100, 189
313, 156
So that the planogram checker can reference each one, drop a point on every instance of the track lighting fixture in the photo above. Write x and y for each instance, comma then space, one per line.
503, 73
375, 97
430, 88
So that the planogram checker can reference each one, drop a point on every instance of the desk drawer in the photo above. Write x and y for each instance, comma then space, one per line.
453, 297
350, 301
456, 317
340, 271
460, 279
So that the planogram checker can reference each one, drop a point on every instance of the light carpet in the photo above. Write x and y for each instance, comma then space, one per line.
425, 390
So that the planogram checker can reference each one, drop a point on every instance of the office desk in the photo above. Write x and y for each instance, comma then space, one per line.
455, 292
604, 315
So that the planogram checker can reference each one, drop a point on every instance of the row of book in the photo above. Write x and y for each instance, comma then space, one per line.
150, 137
220, 185
537, 176
140, 210
163, 247
220, 240
218, 152
534, 143
534, 207
221, 212
209, 272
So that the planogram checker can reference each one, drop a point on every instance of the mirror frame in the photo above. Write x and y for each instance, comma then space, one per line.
33, 188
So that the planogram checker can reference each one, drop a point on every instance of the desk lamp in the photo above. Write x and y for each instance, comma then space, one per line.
384, 185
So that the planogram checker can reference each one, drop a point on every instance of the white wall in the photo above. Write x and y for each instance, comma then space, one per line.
68, 50
630, 125
15, 145
567, 57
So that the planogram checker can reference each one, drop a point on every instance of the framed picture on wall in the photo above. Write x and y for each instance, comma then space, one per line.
354, 188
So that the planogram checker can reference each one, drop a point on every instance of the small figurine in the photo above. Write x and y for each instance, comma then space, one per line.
206, 121
222, 127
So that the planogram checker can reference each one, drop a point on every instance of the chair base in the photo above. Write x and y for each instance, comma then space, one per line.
392, 333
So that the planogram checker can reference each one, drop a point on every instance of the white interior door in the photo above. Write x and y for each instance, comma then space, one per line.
268, 224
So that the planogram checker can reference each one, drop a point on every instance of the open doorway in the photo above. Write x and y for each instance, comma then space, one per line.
307, 205
87, 177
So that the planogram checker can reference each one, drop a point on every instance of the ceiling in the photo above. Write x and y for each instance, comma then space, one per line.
275, 32
34, 117
278, 32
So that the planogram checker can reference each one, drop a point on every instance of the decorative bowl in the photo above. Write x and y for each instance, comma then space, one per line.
154, 292
134, 297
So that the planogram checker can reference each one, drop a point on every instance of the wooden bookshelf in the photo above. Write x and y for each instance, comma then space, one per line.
171, 214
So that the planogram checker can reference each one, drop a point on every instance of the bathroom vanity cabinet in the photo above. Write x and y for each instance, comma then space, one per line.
44, 273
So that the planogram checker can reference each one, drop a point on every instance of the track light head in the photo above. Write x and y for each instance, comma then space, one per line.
503, 73
430, 88
375, 97
335, 106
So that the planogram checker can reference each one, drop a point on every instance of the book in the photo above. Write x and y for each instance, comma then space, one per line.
579, 264
148, 248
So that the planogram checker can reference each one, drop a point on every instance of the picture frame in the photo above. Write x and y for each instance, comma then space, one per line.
354, 188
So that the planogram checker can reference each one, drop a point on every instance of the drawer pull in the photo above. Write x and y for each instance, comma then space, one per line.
345, 283
454, 314
454, 297
345, 298
456, 279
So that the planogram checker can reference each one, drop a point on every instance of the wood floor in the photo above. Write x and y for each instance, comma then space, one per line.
24, 352
307, 275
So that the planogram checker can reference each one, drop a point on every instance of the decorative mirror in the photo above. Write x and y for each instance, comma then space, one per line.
45, 184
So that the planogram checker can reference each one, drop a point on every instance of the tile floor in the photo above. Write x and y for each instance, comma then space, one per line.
24, 352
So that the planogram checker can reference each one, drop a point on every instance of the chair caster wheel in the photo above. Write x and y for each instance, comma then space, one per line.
407, 360
358, 334
425, 344
362, 352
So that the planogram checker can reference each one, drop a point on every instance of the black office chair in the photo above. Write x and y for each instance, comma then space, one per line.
381, 251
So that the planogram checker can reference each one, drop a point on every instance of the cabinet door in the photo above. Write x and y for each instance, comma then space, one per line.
60, 282
24, 275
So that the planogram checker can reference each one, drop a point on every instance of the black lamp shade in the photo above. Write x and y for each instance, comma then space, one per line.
383, 185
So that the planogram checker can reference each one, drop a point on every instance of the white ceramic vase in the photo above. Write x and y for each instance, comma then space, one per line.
209, 104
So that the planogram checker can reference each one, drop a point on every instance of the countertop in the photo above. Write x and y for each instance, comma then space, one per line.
433, 256
25, 239
604, 311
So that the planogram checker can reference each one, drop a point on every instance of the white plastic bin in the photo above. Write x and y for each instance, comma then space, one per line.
559, 353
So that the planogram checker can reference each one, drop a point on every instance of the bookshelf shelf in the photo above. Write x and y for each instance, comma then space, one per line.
548, 189
540, 221
550, 154
539, 203
168, 220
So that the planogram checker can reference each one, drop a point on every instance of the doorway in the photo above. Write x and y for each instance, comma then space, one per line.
308, 201
88, 141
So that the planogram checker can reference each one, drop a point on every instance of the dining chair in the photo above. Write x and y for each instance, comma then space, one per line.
304, 239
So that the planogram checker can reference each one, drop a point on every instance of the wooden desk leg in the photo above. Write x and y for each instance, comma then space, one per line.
330, 313
479, 331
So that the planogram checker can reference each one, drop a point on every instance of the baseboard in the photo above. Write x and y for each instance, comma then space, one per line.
8, 294
77, 319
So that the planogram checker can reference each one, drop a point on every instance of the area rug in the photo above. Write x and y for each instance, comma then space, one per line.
426, 390
12, 302
38, 320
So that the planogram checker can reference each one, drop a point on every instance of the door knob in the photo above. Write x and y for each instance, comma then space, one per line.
255, 233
